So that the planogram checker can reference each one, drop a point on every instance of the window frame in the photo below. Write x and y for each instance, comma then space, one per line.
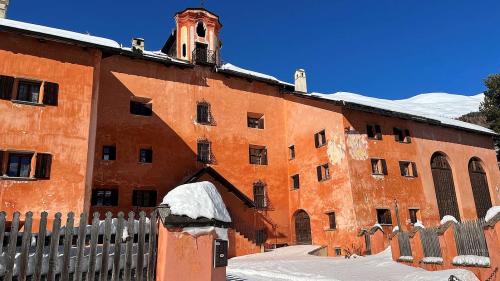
410, 216
141, 108
260, 198
295, 181
401, 135
330, 221
112, 153
150, 150
412, 168
153, 199
381, 164
379, 216
255, 120
20, 155
291, 152
205, 108
262, 156
200, 150
323, 172
31, 84
374, 132
320, 138
113, 198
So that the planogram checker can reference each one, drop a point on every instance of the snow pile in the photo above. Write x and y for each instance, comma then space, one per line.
199, 231
59, 33
294, 263
471, 260
492, 212
402, 106
443, 104
377, 225
197, 200
448, 218
406, 258
419, 224
435, 260
233, 68
395, 229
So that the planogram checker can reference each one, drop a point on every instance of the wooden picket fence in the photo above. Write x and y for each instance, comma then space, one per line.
111, 249
470, 239
430, 242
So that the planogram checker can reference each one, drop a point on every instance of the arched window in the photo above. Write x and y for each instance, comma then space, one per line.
480, 188
444, 186
200, 29
259, 195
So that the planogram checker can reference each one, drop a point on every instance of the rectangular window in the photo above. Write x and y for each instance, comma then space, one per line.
384, 216
401, 135
323, 172
379, 166
141, 108
203, 113
374, 132
413, 215
291, 152
332, 223
258, 155
204, 151
6, 85
43, 165
109, 152
144, 198
2, 163
104, 197
259, 195
19, 165
296, 181
320, 139
28, 91
50, 93
255, 120
146, 155
338, 251
408, 169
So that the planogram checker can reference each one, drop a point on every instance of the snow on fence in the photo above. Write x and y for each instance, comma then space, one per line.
111, 249
470, 239
430, 243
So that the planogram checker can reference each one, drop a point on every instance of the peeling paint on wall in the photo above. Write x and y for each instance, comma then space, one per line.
335, 152
358, 146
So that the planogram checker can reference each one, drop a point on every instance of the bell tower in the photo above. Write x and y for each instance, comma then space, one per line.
197, 36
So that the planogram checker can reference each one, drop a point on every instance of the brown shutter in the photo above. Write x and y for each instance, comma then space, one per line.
384, 167
414, 166
6, 84
318, 172
402, 168
2, 153
407, 136
396, 134
43, 165
316, 140
50, 93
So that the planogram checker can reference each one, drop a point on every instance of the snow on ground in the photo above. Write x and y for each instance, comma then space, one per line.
295, 264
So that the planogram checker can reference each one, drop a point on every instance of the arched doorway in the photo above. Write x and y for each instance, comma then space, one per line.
302, 228
444, 186
480, 188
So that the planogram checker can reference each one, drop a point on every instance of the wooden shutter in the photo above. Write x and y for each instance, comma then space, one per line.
6, 84
384, 166
397, 133
261, 123
414, 167
402, 168
50, 93
316, 140
407, 136
369, 131
318, 172
2, 153
378, 130
43, 165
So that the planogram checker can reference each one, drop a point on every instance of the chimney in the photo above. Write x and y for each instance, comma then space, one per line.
300, 81
137, 44
4, 4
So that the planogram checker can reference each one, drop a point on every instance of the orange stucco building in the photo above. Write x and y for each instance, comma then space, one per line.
128, 125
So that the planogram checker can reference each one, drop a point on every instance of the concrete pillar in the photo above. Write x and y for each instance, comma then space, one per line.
447, 243
417, 251
377, 241
394, 242
4, 4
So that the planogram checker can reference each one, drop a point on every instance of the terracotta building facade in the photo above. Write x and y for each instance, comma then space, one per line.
88, 125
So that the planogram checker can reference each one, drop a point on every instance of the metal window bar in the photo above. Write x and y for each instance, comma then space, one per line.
404, 244
469, 238
430, 242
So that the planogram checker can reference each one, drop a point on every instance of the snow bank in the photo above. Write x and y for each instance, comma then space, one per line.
492, 212
435, 260
395, 229
59, 33
470, 260
448, 218
196, 200
233, 68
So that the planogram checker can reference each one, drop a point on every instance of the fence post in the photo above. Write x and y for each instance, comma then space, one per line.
492, 235
447, 243
417, 250
377, 241
394, 242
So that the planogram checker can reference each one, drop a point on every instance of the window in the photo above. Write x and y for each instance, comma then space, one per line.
413, 215
109, 152
184, 51
374, 132
323, 172
144, 198
384, 216
104, 197
291, 152
259, 195
320, 139
200, 29
338, 251
141, 108
43, 165
255, 120
50, 93
258, 155
6, 85
19, 165
204, 151
295, 181
408, 169
146, 155
332, 223
2, 162
401, 135
28, 91
203, 113
379, 166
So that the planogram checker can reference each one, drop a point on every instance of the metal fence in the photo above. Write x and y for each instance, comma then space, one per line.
470, 239
404, 244
110, 249
430, 242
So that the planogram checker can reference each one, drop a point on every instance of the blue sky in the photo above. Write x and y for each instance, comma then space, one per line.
383, 48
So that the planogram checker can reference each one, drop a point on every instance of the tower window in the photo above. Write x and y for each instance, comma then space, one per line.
184, 50
200, 29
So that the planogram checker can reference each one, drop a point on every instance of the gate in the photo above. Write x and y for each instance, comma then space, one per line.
303, 228
111, 249
444, 186
480, 188
368, 243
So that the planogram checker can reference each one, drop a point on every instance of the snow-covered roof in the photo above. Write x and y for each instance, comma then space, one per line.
399, 107
197, 200
58, 33
229, 68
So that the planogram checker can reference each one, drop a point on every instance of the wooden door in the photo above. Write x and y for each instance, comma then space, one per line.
480, 188
444, 186
303, 228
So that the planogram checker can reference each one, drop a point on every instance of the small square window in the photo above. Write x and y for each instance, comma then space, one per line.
338, 251
320, 139
384, 216
323, 172
144, 198
258, 155
204, 151
146, 155
295, 181
332, 223
408, 169
104, 197
19, 165
141, 108
109, 152
291, 152
28, 91
401, 135
413, 215
374, 132
255, 120
379, 166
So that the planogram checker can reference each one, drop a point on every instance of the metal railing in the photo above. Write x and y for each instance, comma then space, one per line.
470, 239
430, 242
404, 244
204, 56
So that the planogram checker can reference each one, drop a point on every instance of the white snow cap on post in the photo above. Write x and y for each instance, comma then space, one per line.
492, 212
448, 218
196, 200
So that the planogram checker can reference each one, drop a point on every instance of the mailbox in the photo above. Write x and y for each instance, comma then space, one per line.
220, 253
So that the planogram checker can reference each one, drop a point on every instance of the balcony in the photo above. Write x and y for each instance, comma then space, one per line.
204, 56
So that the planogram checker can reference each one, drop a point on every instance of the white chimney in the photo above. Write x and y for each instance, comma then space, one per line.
300, 81
4, 4
137, 44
